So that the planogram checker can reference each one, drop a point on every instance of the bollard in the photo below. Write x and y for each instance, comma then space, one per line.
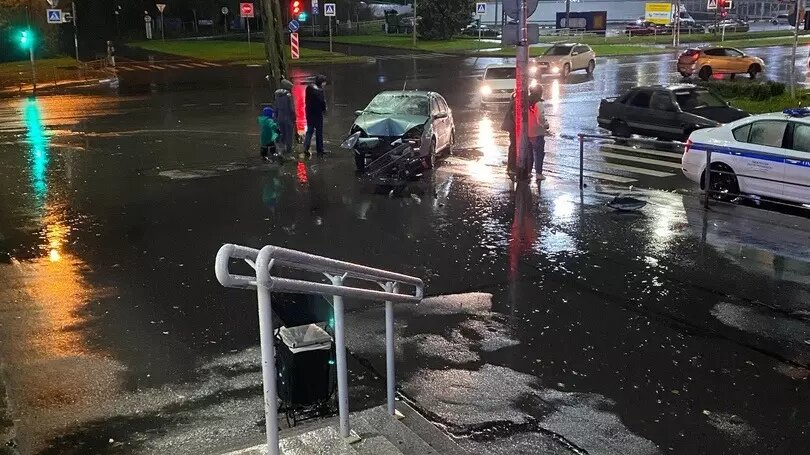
390, 380
268, 369
581, 162
340, 354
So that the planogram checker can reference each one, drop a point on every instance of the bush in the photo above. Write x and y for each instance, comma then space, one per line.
443, 19
757, 91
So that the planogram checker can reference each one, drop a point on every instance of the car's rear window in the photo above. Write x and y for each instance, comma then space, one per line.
500, 73
690, 52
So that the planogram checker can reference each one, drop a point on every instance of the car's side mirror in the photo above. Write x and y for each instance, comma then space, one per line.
359, 113
440, 115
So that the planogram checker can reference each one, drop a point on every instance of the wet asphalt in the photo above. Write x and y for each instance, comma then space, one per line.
554, 324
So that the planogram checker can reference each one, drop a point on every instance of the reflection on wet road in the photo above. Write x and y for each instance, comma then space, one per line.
554, 322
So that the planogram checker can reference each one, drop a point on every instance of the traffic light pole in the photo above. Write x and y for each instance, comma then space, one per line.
75, 32
33, 66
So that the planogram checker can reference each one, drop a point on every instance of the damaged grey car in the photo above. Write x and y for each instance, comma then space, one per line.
419, 119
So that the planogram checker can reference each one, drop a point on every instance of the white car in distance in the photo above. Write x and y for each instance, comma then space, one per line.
763, 155
498, 83
563, 58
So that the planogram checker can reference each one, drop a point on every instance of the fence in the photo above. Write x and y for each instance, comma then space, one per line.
716, 169
270, 258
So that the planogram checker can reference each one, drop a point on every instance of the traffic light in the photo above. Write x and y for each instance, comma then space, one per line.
297, 11
26, 38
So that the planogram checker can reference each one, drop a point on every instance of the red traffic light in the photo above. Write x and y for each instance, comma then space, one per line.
295, 7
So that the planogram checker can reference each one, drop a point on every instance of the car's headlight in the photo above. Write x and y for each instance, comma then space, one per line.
414, 134
532, 69
351, 141
533, 83
486, 90
555, 69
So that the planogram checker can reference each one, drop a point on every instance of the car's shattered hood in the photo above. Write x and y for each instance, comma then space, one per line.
384, 125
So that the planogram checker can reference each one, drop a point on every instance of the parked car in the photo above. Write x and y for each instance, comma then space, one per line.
486, 31
781, 19
667, 112
708, 61
562, 58
730, 25
764, 155
422, 118
645, 28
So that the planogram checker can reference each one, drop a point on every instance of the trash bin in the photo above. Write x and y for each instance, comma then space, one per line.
306, 369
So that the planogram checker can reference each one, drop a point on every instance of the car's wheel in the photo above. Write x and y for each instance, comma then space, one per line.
430, 159
591, 67
566, 70
753, 70
705, 73
723, 183
685, 74
620, 129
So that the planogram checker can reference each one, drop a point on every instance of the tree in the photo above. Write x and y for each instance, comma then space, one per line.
443, 19
274, 42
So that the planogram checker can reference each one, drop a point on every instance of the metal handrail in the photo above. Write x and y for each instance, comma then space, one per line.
270, 258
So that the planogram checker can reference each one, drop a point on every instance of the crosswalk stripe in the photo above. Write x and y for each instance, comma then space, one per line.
157, 67
644, 151
210, 64
637, 170
142, 68
593, 174
125, 68
199, 65
184, 65
638, 159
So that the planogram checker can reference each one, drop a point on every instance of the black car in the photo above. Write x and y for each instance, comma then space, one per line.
666, 112
486, 32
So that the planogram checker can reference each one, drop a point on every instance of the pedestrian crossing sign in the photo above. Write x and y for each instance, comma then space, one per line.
54, 16
711, 4
328, 9
480, 8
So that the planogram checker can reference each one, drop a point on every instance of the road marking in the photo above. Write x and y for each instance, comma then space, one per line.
142, 68
636, 170
638, 159
645, 151
215, 104
189, 104
199, 65
157, 67
594, 174
124, 68
185, 65
241, 104
210, 64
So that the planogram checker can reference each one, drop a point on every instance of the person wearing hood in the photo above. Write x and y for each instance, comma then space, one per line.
315, 108
284, 105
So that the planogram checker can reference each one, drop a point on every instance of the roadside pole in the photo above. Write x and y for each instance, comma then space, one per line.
33, 65
522, 87
161, 7
75, 32
330, 10
414, 24
793, 56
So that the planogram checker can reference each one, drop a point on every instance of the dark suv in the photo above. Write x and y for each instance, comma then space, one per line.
669, 113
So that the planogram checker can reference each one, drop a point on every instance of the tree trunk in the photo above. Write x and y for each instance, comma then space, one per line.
274, 42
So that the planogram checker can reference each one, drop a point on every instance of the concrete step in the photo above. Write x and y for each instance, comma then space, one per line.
323, 441
402, 437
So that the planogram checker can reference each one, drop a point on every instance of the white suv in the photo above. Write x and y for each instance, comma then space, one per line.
562, 58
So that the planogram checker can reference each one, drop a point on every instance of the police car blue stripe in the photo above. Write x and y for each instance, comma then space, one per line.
744, 153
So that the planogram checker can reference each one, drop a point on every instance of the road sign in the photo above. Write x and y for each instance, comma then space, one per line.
67, 17
294, 46
246, 9
224, 10
711, 4
161, 6
480, 8
329, 9
293, 26
512, 7
54, 16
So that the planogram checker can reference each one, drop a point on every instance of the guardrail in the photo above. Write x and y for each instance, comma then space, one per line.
706, 184
271, 258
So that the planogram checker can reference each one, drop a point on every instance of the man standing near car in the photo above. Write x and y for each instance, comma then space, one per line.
285, 115
315, 108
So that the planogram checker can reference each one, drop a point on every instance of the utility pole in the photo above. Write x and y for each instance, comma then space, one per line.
567, 14
75, 32
414, 23
793, 56
522, 88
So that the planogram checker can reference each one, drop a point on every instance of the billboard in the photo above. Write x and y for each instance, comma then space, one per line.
658, 13
595, 21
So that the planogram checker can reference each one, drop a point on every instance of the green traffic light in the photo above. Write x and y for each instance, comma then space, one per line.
302, 17
26, 38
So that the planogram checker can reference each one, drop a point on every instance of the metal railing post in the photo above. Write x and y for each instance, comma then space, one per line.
340, 354
581, 162
390, 378
708, 179
268, 369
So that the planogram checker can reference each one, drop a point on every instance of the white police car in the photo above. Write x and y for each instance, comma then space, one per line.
764, 155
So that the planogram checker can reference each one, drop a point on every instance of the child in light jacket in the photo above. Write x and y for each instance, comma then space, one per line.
538, 129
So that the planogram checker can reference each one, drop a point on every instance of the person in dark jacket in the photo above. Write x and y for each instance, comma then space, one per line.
315, 108
284, 107
509, 126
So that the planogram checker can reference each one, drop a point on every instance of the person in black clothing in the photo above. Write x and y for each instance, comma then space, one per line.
509, 126
315, 109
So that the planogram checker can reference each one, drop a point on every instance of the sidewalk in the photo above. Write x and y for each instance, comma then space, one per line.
7, 444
